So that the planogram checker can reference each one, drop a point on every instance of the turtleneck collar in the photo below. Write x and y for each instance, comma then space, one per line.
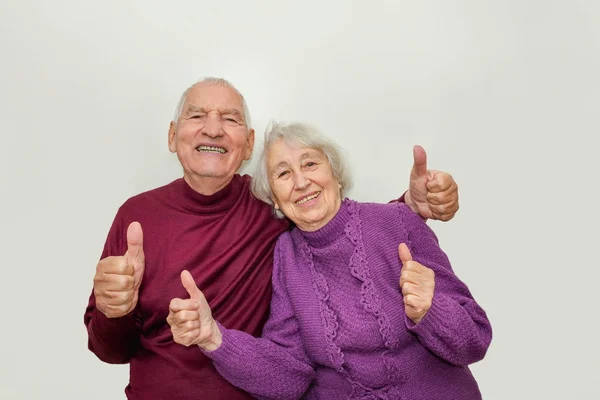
330, 232
198, 203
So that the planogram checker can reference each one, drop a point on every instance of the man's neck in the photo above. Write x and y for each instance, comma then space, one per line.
205, 185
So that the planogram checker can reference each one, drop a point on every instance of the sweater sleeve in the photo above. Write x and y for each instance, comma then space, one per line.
112, 340
400, 199
274, 366
455, 328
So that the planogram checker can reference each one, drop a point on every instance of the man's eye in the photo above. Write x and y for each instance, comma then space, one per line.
230, 120
197, 116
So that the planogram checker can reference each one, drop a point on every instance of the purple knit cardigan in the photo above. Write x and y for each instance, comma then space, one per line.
337, 327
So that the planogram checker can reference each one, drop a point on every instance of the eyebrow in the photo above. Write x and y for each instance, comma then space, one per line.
310, 153
281, 164
231, 111
192, 108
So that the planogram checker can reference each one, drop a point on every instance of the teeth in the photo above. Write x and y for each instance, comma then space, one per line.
304, 200
211, 149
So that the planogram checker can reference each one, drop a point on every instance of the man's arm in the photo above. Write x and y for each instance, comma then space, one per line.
111, 315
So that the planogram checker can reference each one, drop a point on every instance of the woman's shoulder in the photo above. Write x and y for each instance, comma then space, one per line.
287, 246
384, 210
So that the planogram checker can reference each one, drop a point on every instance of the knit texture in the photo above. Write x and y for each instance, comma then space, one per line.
337, 327
226, 241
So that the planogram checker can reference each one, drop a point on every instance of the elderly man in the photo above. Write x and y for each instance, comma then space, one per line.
208, 223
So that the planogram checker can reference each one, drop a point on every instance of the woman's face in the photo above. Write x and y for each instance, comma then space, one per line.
303, 185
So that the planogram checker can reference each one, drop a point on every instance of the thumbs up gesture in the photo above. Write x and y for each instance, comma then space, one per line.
191, 319
431, 194
417, 283
117, 280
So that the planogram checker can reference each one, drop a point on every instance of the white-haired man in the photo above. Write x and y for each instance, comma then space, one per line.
208, 223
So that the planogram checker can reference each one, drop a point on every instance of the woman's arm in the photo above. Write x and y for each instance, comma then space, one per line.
274, 366
455, 327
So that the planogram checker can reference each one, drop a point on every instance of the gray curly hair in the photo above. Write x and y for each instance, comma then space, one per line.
304, 135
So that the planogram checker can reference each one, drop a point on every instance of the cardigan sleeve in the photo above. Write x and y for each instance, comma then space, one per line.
455, 328
112, 340
274, 366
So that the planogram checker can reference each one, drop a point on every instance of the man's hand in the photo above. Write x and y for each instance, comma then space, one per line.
191, 319
431, 194
117, 280
417, 283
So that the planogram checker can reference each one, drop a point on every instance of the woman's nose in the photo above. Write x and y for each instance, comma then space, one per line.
301, 182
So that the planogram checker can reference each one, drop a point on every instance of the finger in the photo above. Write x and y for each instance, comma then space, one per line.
114, 282
445, 211
188, 338
446, 196
420, 161
184, 316
113, 311
190, 285
114, 265
410, 288
404, 253
408, 275
118, 298
438, 181
177, 305
135, 243
416, 302
411, 300
189, 326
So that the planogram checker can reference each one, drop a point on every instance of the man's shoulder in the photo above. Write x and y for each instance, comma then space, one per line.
149, 196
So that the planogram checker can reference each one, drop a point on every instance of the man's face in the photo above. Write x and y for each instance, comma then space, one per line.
211, 138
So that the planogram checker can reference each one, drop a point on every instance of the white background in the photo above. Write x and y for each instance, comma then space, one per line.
502, 94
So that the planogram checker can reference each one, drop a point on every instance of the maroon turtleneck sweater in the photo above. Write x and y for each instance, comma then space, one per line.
226, 241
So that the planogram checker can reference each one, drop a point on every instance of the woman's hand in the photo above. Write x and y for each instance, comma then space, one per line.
417, 283
191, 319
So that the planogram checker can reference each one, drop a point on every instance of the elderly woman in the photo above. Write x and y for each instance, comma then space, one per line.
365, 303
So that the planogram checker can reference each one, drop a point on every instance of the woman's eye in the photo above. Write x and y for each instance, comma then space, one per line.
196, 116
310, 164
282, 174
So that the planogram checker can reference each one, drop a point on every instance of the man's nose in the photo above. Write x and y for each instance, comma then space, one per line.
213, 127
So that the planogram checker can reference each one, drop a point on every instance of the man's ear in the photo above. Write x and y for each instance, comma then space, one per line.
249, 144
172, 133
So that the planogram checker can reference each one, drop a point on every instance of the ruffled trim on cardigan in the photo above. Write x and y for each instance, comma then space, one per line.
370, 302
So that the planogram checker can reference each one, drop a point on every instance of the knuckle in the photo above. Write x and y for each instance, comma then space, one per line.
190, 325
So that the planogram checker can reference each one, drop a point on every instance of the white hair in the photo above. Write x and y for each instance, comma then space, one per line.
217, 82
307, 136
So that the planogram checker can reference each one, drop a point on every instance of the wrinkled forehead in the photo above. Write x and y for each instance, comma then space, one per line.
289, 150
214, 97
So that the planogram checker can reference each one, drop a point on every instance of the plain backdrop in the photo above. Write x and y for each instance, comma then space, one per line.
502, 94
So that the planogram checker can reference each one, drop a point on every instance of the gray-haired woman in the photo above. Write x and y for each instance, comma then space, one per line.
365, 303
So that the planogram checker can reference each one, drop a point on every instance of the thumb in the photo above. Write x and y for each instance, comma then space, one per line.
190, 286
404, 253
135, 242
420, 161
